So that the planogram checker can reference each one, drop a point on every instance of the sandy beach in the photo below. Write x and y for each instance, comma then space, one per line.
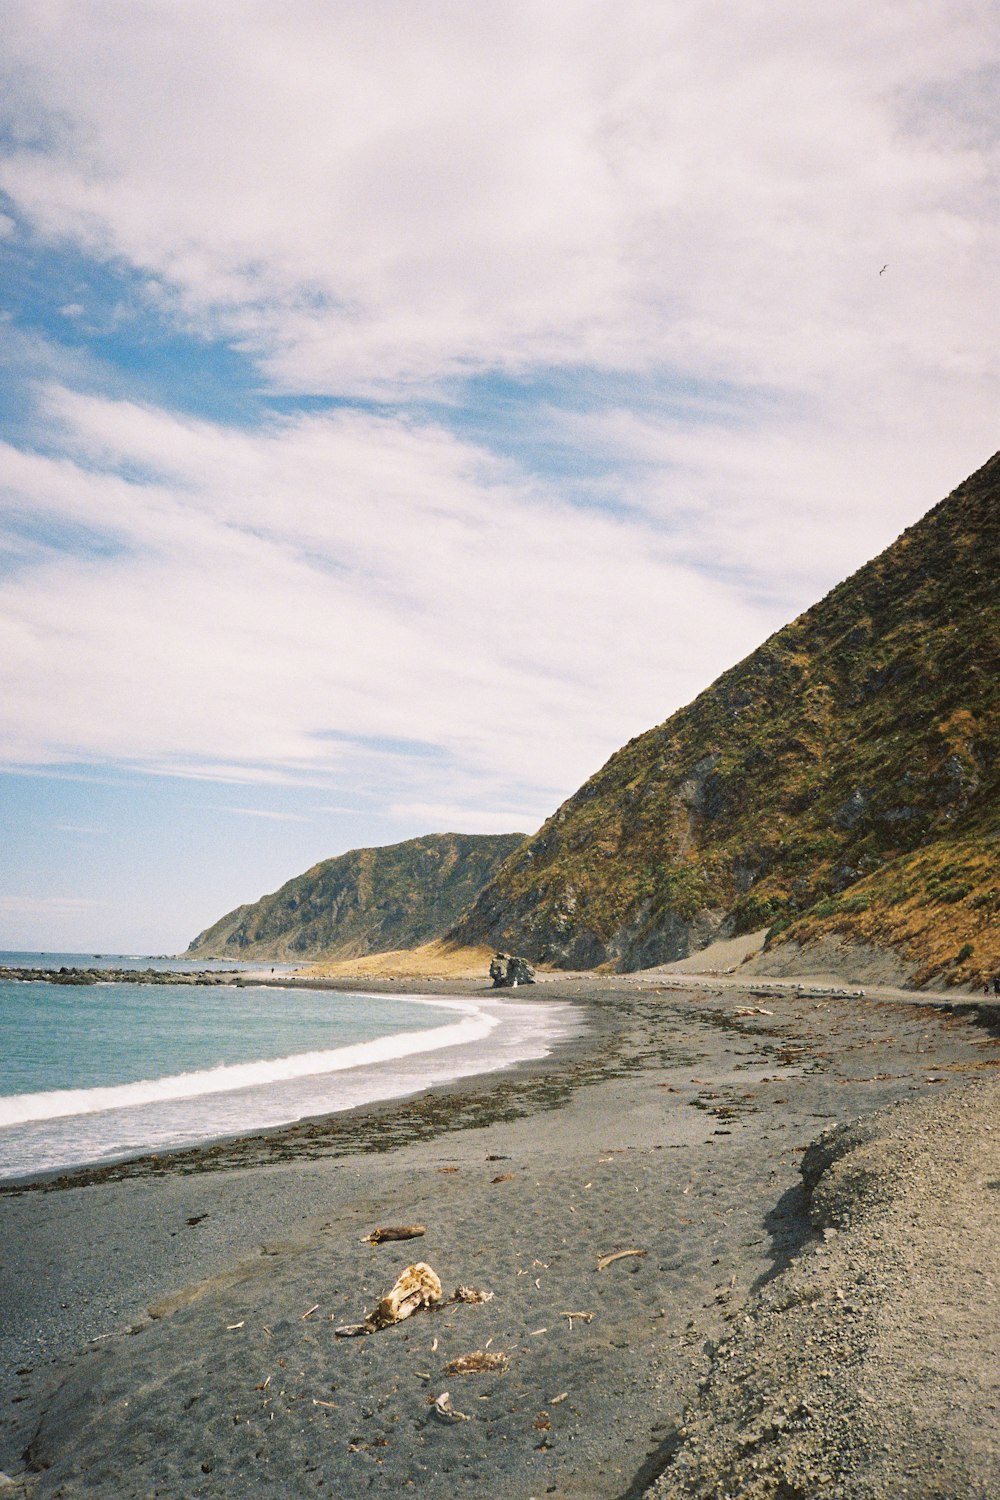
167, 1326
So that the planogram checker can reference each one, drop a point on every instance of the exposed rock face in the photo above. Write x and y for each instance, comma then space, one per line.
366, 901
844, 779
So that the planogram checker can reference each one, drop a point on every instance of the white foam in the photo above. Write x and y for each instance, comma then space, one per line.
474, 1026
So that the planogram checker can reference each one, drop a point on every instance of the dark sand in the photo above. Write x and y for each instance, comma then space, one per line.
167, 1327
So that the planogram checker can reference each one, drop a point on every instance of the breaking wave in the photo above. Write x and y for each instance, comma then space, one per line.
474, 1026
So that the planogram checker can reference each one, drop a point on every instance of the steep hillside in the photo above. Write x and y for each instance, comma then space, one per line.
843, 777
366, 901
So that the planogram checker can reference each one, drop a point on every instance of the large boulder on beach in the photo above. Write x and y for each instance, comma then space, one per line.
507, 971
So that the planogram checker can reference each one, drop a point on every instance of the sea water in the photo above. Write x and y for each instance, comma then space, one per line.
94, 1073
162, 963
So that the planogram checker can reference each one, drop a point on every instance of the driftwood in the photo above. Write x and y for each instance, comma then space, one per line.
418, 1286
442, 1407
394, 1232
477, 1363
605, 1260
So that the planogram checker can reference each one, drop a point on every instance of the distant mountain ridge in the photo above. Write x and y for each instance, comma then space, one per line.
365, 901
843, 779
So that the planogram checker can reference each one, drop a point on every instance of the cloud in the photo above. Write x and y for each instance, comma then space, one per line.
344, 599
263, 812
371, 199
47, 906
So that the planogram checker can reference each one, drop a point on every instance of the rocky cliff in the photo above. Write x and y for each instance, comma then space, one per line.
366, 901
842, 779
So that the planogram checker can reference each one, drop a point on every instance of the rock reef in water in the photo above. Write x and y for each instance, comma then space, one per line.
65, 975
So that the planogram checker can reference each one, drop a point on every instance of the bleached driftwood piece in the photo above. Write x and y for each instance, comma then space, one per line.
418, 1286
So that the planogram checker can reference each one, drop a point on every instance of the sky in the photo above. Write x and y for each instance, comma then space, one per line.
402, 406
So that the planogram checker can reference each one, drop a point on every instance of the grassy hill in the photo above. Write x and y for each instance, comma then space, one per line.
366, 901
843, 778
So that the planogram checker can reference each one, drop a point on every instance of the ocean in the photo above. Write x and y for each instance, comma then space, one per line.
94, 1073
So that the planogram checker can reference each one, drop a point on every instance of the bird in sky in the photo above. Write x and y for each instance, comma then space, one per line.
884, 268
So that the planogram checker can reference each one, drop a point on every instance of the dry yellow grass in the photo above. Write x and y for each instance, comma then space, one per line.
435, 960
937, 906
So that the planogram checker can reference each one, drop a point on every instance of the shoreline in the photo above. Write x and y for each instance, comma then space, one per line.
675, 1126
420, 1070
285, 1139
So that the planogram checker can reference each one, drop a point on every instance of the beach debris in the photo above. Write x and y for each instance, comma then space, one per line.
445, 1170
536, 1331
752, 1010
352, 1330
471, 1294
477, 1363
503, 1177
603, 1261
416, 1287
394, 1232
309, 1312
434, 1345
442, 1408
331, 1404
582, 1317
558, 1400
230, 1328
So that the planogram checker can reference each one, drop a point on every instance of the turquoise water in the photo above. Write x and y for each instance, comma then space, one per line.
94, 1073
17, 959
57, 1036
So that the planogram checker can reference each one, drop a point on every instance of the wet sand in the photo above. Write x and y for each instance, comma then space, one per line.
167, 1326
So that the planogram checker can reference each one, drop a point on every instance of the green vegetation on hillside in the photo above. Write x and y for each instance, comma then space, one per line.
365, 901
843, 777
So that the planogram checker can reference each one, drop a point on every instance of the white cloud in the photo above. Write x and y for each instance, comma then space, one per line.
47, 906
343, 597
379, 194
263, 812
